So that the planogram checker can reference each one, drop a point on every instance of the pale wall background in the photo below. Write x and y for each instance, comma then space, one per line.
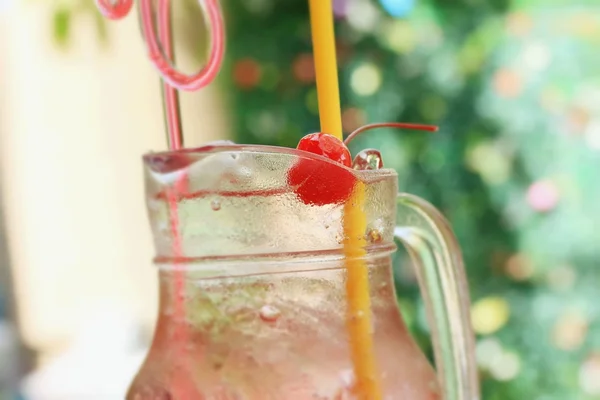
73, 125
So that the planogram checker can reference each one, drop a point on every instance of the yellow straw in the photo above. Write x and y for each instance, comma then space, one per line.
357, 293
357, 283
323, 37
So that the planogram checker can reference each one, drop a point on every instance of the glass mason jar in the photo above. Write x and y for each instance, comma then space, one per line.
254, 281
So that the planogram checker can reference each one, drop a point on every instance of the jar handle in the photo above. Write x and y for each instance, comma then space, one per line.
436, 255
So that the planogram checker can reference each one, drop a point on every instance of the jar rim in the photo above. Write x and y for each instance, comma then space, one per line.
211, 149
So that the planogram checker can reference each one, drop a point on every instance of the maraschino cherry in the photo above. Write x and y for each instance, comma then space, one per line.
326, 145
320, 183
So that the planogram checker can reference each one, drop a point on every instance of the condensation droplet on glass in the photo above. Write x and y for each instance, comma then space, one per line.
358, 315
368, 159
347, 378
383, 288
215, 204
347, 385
168, 311
269, 313
374, 236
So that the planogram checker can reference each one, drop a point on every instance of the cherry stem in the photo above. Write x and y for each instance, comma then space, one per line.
401, 125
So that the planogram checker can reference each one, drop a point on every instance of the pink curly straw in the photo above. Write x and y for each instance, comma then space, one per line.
160, 52
175, 78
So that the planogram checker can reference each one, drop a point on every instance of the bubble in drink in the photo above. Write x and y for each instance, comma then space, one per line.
374, 236
358, 315
347, 385
215, 204
268, 313
347, 378
368, 159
